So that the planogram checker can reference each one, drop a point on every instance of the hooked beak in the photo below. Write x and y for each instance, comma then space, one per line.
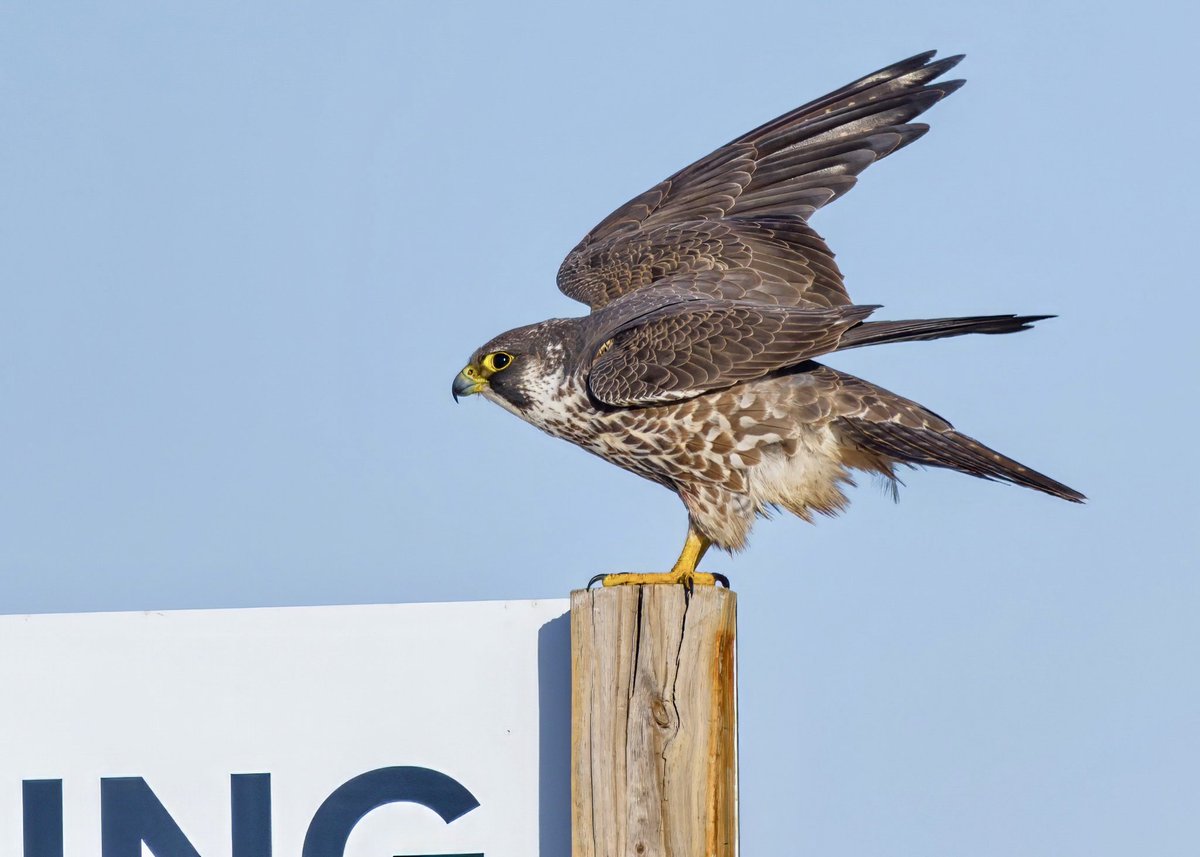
467, 383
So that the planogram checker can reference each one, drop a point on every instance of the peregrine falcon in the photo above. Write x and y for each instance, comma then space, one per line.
710, 297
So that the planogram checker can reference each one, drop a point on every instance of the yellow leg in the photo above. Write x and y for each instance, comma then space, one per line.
684, 570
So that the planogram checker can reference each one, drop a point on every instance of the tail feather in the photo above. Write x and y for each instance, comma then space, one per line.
951, 450
912, 330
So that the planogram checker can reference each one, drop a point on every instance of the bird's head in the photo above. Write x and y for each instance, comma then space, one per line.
518, 369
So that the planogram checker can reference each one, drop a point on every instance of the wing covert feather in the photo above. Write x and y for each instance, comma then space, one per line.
696, 346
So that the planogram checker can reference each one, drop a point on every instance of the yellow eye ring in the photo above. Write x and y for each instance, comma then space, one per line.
497, 361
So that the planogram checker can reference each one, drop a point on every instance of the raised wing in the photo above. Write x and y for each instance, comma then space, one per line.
696, 346
746, 204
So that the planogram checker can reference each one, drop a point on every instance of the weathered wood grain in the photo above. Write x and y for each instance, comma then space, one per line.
654, 722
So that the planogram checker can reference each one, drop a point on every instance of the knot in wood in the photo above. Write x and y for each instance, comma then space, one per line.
660, 712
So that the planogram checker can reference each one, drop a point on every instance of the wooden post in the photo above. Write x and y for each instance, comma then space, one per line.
653, 722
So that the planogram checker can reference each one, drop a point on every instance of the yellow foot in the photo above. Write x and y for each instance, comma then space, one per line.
684, 570
698, 578
695, 578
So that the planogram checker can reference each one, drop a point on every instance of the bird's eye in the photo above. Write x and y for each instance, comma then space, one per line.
497, 361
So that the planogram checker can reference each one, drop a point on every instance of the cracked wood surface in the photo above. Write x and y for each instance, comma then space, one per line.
654, 722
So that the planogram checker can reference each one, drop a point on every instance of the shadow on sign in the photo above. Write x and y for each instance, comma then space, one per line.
554, 737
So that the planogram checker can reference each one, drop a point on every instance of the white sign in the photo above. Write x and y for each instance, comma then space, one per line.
424, 729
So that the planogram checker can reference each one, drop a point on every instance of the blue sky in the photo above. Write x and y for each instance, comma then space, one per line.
246, 247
